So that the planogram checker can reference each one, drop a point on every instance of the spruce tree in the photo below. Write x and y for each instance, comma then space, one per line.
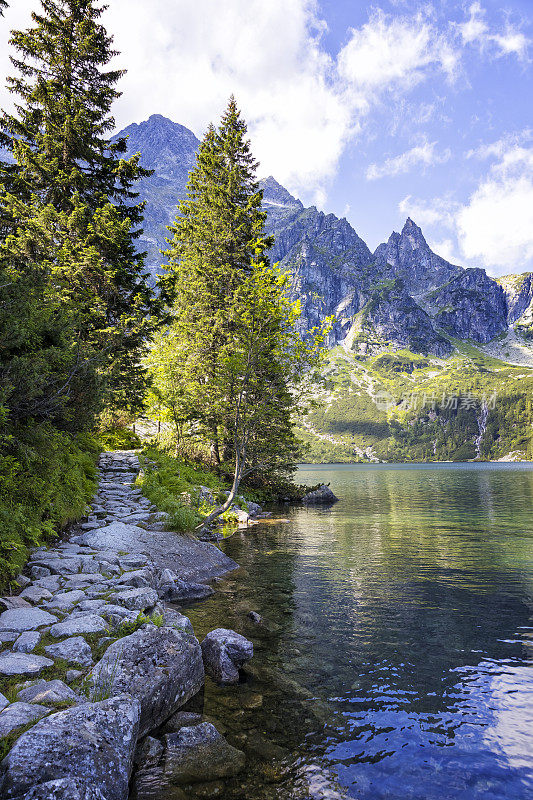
232, 358
216, 236
68, 173
3, 4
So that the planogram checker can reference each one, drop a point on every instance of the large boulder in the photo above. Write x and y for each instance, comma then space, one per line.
64, 789
321, 496
224, 652
200, 753
161, 667
94, 742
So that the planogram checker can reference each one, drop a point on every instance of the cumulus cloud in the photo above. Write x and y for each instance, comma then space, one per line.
494, 227
437, 212
396, 52
303, 104
496, 224
424, 155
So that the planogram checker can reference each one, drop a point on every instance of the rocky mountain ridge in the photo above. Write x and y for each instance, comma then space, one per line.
403, 295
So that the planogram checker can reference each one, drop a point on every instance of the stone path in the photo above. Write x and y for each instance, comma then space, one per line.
77, 597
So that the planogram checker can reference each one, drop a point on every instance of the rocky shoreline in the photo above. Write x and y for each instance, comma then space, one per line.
97, 668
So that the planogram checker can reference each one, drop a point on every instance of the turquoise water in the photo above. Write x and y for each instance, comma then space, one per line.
395, 659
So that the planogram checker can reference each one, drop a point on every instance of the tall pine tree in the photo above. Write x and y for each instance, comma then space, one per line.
69, 175
217, 234
232, 359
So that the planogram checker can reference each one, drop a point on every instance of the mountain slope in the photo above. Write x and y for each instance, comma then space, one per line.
430, 337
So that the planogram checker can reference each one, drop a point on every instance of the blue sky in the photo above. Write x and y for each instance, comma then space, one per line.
374, 111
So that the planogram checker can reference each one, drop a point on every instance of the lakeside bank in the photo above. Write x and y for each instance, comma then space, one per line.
95, 633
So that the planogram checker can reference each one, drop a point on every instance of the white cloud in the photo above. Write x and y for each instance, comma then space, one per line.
476, 31
496, 225
392, 52
439, 212
424, 154
302, 104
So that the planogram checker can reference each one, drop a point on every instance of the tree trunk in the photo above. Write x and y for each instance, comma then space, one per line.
239, 466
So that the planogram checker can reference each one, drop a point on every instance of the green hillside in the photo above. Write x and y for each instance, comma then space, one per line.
400, 406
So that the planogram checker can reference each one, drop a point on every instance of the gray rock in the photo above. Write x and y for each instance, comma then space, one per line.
91, 605
50, 582
65, 601
75, 651
200, 753
73, 625
39, 572
8, 636
73, 675
47, 692
148, 752
136, 599
161, 667
253, 508
3, 702
182, 719
94, 742
243, 517
17, 715
254, 617
321, 496
23, 664
27, 642
64, 789
83, 579
224, 652
25, 619
173, 619
22, 581
137, 578
182, 592
36, 594
14, 601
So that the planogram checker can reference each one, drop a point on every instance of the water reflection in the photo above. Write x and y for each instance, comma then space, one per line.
395, 658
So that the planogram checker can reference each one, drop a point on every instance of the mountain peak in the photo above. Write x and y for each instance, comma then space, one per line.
411, 227
274, 194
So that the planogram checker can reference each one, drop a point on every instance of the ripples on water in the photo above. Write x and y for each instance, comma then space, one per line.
395, 660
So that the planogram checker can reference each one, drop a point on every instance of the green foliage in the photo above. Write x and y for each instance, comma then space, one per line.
46, 480
229, 368
118, 438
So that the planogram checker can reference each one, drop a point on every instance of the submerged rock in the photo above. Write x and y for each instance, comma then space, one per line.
161, 667
224, 652
93, 742
321, 496
199, 753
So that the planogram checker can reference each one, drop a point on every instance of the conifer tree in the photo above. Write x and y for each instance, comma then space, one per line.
217, 234
232, 359
70, 176
3, 4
